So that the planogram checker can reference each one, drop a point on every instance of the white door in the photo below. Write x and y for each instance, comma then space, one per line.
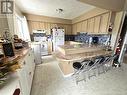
123, 54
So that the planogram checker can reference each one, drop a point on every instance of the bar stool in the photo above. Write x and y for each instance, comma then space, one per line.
93, 66
109, 61
100, 66
79, 67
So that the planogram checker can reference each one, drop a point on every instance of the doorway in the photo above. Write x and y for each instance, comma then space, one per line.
123, 43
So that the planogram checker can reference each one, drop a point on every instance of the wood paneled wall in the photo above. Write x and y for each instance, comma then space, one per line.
39, 25
36, 22
94, 25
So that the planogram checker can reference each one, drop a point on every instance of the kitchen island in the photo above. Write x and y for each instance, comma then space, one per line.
69, 53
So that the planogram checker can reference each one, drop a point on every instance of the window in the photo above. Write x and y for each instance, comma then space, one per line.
22, 28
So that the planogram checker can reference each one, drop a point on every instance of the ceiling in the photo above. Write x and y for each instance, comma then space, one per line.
71, 8
114, 5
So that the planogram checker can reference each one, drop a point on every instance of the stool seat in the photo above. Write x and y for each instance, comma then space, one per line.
77, 65
91, 63
102, 59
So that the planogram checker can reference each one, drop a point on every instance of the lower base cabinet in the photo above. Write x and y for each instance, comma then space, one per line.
26, 73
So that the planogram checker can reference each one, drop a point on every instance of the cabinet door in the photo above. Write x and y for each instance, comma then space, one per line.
97, 24
84, 26
90, 25
23, 79
53, 25
32, 60
29, 70
47, 28
104, 23
41, 25
68, 30
74, 29
79, 25
35, 25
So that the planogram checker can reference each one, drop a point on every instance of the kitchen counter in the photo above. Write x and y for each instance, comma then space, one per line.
19, 54
69, 53
81, 56
78, 48
21, 74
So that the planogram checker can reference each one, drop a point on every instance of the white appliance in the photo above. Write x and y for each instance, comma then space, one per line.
36, 47
41, 37
58, 38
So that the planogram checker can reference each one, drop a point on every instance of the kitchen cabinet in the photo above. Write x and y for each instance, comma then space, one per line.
26, 73
53, 25
22, 73
48, 29
97, 24
104, 23
41, 25
68, 30
50, 47
79, 25
66, 27
38, 25
35, 26
84, 26
74, 26
90, 28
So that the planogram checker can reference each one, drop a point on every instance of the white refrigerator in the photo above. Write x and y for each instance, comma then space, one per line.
58, 38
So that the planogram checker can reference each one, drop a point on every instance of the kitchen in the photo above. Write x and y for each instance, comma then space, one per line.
63, 36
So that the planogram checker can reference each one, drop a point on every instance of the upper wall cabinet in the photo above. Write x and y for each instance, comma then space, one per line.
68, 30
47, 28
90, 28
95, 25
37, 25
74, 29
79, 27
104, 23
67, 27
84, 26
97, 21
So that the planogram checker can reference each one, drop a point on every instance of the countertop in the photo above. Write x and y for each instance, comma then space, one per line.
73, 51
80, 56
19, 54
75, 47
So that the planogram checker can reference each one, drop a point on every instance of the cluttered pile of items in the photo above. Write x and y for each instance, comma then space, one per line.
7, 50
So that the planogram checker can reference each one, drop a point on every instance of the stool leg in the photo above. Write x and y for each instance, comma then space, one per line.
93, 73
101, 69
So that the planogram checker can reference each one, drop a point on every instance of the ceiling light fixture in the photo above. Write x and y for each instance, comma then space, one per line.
59, 10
